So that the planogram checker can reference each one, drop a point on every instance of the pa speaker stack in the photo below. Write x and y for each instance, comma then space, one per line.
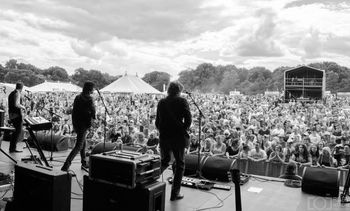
41, 189
321, 181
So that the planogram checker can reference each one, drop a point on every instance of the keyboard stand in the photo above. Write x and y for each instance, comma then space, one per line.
37, 146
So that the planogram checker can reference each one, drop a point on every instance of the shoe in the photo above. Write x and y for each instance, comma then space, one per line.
176, 197
15, 151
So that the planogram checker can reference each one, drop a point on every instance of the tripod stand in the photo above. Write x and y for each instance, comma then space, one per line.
345, 190
200, 116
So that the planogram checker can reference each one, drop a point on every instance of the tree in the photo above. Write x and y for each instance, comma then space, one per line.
27, 77
81, 76
157, 79
11, 64
56, 74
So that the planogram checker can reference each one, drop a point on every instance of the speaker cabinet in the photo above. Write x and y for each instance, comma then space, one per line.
99, 195
191, 164
321, 181
41, 189
217, 168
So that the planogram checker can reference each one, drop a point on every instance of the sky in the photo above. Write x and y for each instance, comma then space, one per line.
141, 36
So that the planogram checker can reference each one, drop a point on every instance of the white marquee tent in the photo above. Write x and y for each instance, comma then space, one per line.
130, 84
55, 87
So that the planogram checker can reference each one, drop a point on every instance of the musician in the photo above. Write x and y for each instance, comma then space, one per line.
82, 115
15, 116
173, 120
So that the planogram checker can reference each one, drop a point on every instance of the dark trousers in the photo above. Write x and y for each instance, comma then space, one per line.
178, 165
17, 124
79, 147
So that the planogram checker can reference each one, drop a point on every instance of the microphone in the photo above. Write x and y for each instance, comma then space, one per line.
186, 92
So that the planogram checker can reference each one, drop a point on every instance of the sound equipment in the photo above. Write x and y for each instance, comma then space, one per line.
200, 184
41, 189
191, 164
132, 148
103, 147
321, 181
99, 195
125, 168
59, 143
217, 168
37, 123
2, 118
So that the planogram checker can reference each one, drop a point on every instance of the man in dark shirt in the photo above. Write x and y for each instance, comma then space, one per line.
82, 115
15, 116
173, 120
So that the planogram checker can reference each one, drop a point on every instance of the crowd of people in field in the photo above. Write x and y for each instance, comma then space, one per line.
244, 127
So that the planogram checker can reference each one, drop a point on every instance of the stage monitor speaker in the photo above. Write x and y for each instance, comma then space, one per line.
99, 195
321, 181
41, 189
217, 168
2, 118
59, 143
103, 147
191, 164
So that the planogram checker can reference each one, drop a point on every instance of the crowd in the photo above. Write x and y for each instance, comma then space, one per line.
245, 127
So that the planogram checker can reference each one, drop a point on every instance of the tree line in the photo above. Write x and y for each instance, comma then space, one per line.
205, 78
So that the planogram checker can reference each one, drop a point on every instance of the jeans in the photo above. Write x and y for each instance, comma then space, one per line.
178, 166
79, 147
17, 124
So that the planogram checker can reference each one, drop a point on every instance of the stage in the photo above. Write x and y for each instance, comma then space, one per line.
258, 194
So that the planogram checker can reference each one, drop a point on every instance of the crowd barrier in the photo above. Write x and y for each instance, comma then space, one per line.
275, 169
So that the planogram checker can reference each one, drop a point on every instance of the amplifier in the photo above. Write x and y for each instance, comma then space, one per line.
125, 168
104, 196
40, 188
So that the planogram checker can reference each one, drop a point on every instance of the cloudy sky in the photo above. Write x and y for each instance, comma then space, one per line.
140, 36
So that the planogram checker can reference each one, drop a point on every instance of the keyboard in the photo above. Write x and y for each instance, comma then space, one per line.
38, 123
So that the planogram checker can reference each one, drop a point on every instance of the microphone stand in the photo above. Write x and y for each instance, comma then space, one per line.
198, 171
52, 114
105, 120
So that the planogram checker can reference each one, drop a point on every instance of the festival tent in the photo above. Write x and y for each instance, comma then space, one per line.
130, 84
10, 87
55, 87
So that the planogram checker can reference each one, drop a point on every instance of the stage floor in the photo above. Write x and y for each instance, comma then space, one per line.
257, 194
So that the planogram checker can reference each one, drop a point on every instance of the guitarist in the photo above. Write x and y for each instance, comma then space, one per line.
173, 120
15, 116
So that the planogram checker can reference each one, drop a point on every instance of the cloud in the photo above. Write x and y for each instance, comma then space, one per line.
133, 19
261, 43
337, 44
85, 49
330, 4
312, 45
